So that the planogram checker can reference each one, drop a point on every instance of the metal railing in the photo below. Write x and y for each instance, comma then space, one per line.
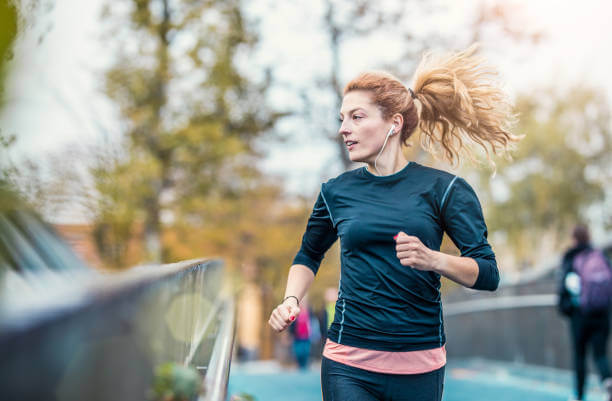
115, 336
217, 374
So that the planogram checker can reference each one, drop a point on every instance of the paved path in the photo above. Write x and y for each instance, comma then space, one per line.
465, 381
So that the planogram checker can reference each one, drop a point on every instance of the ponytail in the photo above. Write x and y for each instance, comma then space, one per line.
459, 100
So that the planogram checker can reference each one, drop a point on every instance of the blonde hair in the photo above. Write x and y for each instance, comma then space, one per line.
459, 100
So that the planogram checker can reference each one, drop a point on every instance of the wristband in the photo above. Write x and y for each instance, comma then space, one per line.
292, 296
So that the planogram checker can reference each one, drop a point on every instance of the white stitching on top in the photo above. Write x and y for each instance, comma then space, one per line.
327, 206
446, 193
342, 321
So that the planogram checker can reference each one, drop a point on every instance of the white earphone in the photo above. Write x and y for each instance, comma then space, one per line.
384, 144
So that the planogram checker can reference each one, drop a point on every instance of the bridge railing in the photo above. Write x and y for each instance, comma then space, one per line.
147, 333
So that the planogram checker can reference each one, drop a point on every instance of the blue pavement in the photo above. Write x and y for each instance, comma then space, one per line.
472, 380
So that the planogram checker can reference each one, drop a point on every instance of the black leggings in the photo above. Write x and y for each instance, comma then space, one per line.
595, 330
340, 382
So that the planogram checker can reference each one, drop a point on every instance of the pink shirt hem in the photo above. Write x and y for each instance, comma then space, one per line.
401, 363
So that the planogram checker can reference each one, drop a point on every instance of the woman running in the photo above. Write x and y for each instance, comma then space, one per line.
387, 339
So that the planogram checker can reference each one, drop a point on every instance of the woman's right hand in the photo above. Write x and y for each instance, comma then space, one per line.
284, 314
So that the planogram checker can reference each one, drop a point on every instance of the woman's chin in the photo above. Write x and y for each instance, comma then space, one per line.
355, 158
359, 159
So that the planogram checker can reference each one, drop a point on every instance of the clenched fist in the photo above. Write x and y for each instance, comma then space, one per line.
411, 252
284, 314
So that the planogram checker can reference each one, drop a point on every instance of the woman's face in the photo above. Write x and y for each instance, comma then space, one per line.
363, 128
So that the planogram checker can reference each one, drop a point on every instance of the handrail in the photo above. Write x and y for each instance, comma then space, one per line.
499, 303
217, 373
79, 290
200, 334
121, 328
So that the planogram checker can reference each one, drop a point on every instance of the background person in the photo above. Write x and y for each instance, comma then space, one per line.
585, 292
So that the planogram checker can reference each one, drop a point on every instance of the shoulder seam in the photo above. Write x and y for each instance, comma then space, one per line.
446, 192
331, 217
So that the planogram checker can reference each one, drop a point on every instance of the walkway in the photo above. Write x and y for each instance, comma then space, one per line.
465, 381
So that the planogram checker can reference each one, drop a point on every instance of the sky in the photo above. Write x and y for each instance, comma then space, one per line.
55, 100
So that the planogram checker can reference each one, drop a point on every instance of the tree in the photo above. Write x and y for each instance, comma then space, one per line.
191, 114
8, 34
115, 206
560, 169
15, 17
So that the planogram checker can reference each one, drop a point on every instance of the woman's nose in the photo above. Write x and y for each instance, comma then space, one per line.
344, 130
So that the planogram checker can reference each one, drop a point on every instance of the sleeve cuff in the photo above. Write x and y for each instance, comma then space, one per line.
488, 275
301, 259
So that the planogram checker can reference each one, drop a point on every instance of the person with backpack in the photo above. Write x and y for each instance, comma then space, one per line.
585, 297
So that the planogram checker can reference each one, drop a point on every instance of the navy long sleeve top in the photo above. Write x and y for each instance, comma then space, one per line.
383, 305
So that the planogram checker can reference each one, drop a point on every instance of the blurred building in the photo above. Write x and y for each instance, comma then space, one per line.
80, 239
250, 317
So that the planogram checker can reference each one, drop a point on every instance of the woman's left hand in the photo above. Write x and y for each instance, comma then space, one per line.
411, 252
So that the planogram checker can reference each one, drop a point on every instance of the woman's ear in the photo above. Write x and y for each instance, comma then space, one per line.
398, 121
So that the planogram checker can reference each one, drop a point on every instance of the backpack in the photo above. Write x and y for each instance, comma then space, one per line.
595, 280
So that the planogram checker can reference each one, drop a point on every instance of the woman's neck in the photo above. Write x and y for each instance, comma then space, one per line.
389, 163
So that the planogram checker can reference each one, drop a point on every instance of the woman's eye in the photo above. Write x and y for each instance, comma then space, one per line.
357, 117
